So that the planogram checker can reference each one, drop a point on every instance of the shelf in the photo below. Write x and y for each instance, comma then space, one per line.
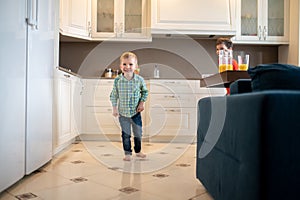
223, 79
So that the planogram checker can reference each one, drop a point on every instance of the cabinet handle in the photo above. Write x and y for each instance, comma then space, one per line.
172, 110
121, 29
67, 76
265, 32
259, 32
89, 29
116, 29
170, 96
172, 82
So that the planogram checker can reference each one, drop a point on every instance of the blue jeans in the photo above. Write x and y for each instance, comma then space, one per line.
136, 123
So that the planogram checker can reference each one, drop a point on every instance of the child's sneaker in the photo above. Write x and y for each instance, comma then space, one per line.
141, 155
127, 158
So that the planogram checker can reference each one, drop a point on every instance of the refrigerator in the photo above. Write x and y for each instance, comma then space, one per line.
27, 58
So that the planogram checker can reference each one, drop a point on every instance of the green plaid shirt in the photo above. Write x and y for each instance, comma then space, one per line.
128, 93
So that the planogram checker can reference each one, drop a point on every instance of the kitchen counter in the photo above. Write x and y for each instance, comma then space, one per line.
106, 78
68, 71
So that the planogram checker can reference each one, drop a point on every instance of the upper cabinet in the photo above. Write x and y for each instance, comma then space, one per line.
75, 18
250, 21
263, 22
121, 20
213, 17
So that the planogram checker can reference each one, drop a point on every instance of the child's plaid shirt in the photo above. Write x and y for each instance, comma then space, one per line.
126, 94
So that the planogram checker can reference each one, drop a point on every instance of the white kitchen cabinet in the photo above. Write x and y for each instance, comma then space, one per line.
262, 21
75, 18
212, 17
97, 109
121, 20
172, 86
171, 108
97, 92
171, 121
67, 109
99, 120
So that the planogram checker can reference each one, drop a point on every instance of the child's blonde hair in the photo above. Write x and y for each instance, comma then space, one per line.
128, 54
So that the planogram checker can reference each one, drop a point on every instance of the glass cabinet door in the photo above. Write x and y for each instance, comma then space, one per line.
275, 18
133, 16
105, 16
120, 19
249, 18
264, 21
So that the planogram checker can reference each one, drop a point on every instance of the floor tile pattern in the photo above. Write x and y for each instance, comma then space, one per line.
128, 190
26, 196
95, 170
78, 180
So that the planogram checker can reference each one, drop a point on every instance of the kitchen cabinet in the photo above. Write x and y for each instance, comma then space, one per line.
75, 18
117, 20
68, 89
121, 20
262, 21
212, 17
171, 109
97, 109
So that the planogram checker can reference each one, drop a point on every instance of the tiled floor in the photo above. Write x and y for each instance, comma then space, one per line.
95, 171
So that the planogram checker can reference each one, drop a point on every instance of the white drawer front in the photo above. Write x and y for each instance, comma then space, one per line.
172, 121
172, 86
173, 100
97, 92
100, 120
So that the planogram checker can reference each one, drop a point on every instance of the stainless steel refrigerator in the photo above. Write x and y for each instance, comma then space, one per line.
27, 35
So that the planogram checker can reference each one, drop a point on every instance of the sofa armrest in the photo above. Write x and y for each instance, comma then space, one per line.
247, 145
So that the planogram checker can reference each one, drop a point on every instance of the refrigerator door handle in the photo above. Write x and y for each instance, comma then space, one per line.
32, 13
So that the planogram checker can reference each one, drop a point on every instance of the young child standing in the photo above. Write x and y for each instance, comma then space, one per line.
128, 97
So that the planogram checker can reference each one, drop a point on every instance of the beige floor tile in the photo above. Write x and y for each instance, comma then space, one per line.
70, 170
204, 196
173, 188
79, 191
6, 196
37, 182
117, 179
137, 196
168, 172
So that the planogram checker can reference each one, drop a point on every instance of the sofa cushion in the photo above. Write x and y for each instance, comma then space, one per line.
275, 76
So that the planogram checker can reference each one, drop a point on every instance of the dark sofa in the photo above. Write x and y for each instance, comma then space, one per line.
248, 145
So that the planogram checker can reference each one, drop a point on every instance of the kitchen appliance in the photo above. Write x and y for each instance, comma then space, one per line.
26, 79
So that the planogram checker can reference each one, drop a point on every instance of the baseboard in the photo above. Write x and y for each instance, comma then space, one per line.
63, 146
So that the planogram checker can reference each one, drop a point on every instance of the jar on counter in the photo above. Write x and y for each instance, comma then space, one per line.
115, 73
108, 73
